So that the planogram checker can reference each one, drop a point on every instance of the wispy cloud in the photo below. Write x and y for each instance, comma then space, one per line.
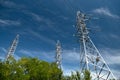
7, 3
70, 61
26, 52
16, 57
3, 52
105, 11
48, 56
114, 36
40, 18
63, 17
36, 17
10, 4
42, 37
45, 22
111, 56
67, 71
3, 49
70, 55
117, 74
9, 22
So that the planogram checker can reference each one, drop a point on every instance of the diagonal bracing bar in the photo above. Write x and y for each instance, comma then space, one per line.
91, 58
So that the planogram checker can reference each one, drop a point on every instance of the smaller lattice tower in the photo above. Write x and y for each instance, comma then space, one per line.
58, 54
12, 48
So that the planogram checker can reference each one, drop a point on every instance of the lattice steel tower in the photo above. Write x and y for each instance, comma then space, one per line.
90, 57
58, 54
12, 48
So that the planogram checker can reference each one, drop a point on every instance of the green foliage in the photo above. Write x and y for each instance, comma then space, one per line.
35, 69
78, 76
87, 75
74, 76
29, 69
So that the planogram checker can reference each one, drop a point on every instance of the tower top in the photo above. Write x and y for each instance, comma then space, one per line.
58, 54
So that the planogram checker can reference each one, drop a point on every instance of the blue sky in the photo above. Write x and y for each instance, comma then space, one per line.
41, 23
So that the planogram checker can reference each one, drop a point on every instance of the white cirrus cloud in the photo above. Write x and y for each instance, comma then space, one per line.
45, 22
3, 52
36, 17
40, 18
71, 55
26, 52
115, 36
42, 37
105, 11
111, 56
11, 4
7, 3
5, 22
3, 49
67, 71
16, 57
43, 55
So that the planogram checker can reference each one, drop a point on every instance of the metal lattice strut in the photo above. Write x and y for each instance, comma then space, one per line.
58, 54
12, 47
90, 57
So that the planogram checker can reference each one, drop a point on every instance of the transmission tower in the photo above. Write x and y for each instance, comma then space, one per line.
12, 48
90, 57
58, 54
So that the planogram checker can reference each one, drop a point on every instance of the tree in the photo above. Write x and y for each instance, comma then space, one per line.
29, 69
35, 69
87, 75
78, 75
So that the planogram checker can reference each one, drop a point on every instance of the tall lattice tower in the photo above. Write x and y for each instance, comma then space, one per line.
12, 48
58, 54
90, 57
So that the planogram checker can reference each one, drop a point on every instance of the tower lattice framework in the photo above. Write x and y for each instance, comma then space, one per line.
90, 57
12, 48
58, 54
